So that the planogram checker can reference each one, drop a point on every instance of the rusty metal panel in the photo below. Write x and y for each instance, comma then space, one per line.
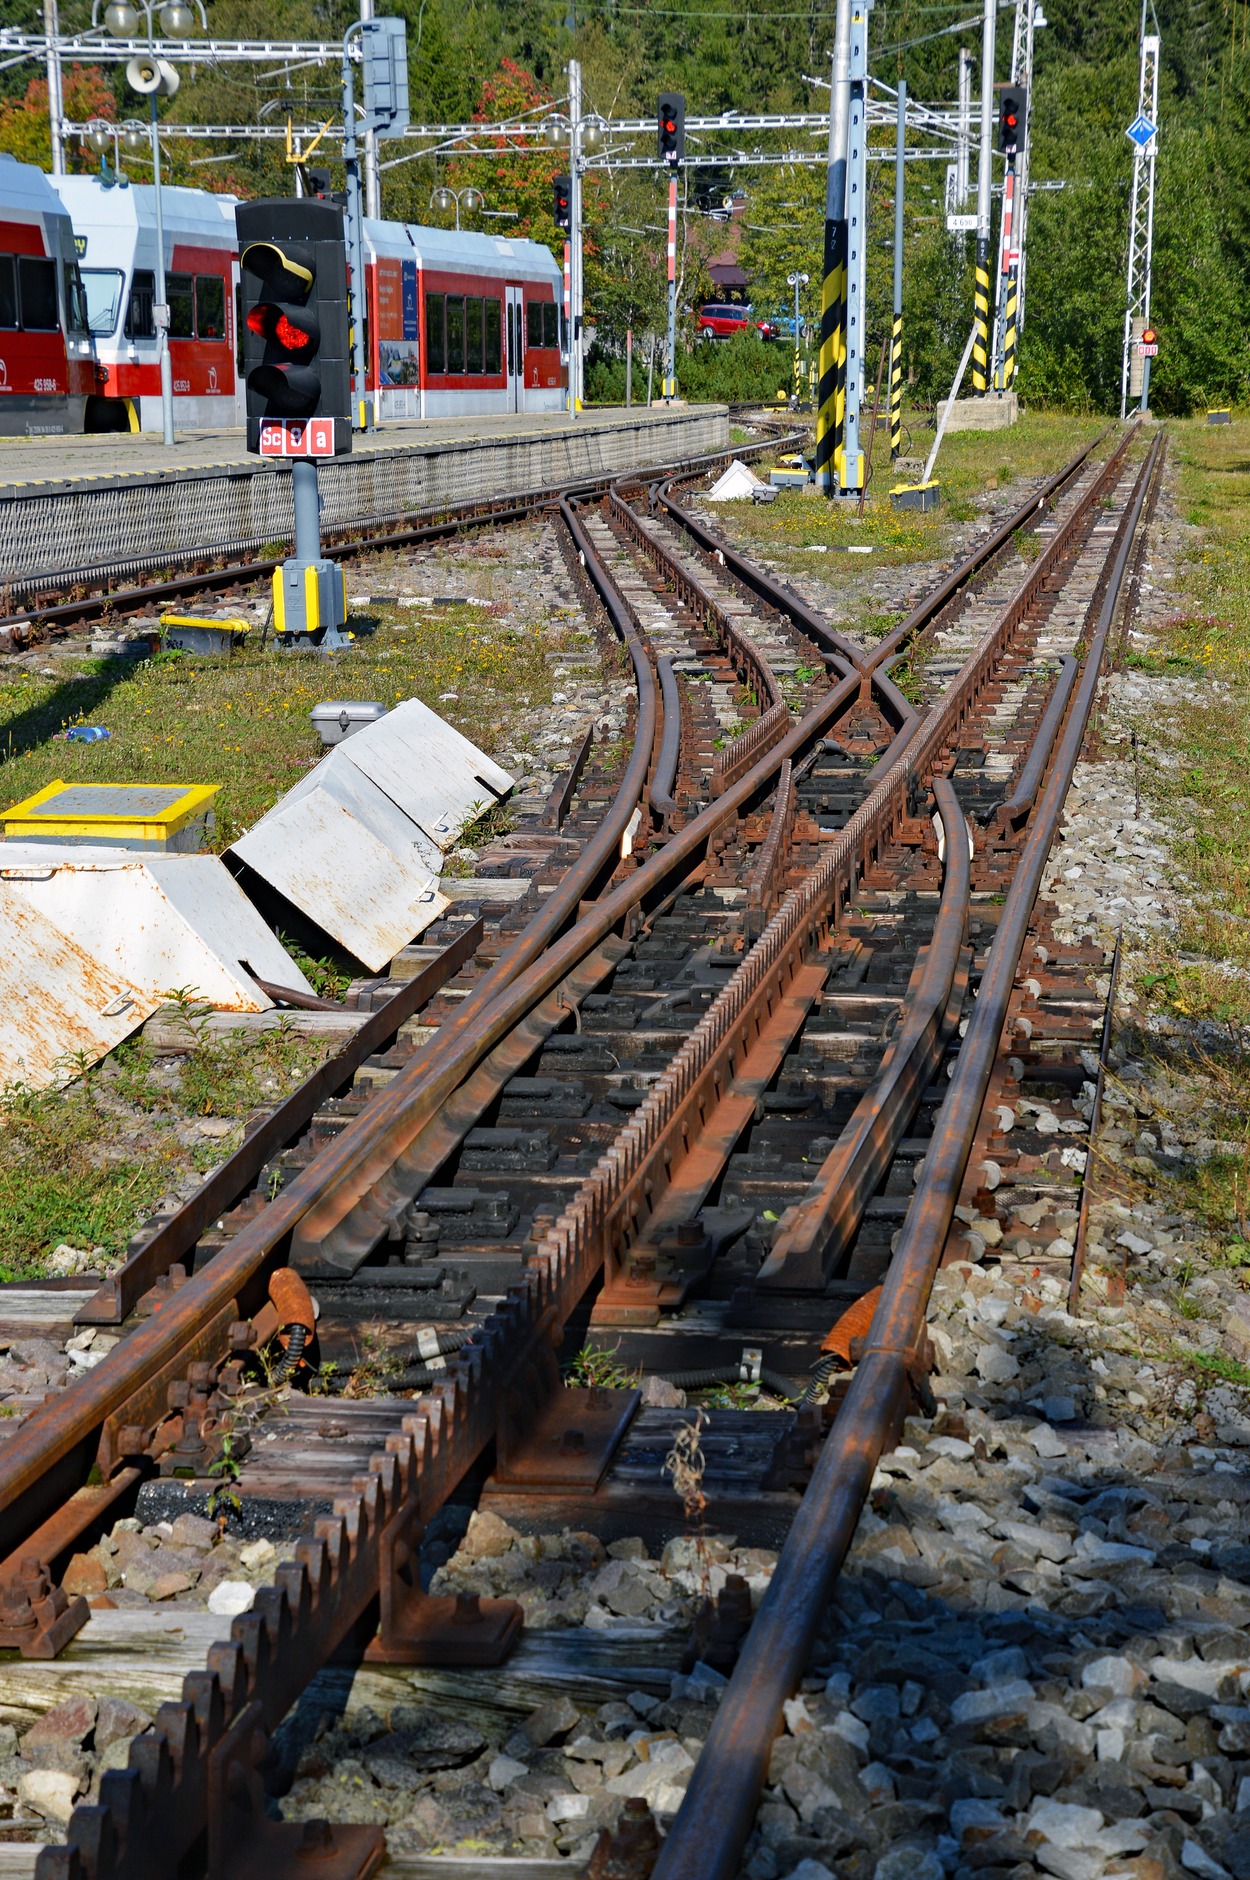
159, 921
56, 1000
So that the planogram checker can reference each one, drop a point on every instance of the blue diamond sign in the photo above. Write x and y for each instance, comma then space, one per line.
1140, 131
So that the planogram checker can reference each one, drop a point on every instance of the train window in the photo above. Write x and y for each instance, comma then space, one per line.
455, 332
103, 289
210, 306
435, 338
551, 323
181, 298
491, 360
473, 335
8, 291
75, 300
37, 283
140, 318
534, 324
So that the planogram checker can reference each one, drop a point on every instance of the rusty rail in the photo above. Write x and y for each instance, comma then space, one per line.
182, 1776
717, 1813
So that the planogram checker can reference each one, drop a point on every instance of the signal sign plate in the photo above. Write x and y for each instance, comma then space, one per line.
312, 437
1147, 349
1140, 131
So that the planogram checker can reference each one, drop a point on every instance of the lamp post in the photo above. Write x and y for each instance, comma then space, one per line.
103, 135
797, 281
581, 133
156, 78
444, 198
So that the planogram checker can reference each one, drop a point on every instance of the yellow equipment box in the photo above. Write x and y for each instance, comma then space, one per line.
172, 818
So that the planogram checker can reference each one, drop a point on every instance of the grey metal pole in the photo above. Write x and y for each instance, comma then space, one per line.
629, 367
56, 99
162, 337
576, 379
965, 127
981, 297
373, 180
356, 244
670, 357
851, 479
307, 499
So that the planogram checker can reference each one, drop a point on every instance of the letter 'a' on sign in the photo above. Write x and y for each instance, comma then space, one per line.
296, 357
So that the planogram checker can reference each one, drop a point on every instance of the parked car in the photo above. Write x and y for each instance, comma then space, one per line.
720, 320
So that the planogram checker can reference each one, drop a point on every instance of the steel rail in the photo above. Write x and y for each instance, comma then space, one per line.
346, 1200
718, 1811
153, 1812
662, 1164
338, 544
660, 795
1016, 806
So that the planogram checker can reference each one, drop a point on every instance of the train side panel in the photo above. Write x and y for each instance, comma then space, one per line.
47, 368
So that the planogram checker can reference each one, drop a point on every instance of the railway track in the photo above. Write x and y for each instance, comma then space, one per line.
714, 1107
36, 609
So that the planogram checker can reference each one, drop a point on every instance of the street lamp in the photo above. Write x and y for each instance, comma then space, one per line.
444, 199
153, 77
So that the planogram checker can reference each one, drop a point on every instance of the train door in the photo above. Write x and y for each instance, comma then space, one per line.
515, 326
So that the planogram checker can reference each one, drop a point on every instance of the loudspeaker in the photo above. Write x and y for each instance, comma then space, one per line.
147, 74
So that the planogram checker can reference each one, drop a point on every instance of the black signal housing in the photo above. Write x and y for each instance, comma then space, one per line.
670, 115
296, 353
1013, 103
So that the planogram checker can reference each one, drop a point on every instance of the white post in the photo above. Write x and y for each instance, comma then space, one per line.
56, 100
575, 233
372, 177
1141, 225
964, 116
162, 311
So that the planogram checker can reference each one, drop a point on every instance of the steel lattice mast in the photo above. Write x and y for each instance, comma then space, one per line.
1141, 222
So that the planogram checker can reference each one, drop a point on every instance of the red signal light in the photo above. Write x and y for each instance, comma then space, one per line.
269, 321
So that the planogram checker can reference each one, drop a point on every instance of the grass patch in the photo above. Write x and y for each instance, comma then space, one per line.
242, 720
803, 527
85, 1164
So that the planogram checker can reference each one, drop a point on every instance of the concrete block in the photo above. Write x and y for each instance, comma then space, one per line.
990, 411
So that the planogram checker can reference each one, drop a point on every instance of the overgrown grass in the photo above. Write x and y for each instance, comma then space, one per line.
242, 720
84, 1164
808, 529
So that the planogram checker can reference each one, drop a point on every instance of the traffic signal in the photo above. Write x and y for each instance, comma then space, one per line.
296, 359
671, 127
1012, 104
562, 201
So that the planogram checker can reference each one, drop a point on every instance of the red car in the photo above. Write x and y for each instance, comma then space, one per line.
720, 321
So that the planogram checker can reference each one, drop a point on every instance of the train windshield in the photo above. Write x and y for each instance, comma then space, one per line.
103, 288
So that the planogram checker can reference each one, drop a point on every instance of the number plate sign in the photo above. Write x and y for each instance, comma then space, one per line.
1146, 349
311, 437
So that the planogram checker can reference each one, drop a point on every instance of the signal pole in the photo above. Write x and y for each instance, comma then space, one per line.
964, 114
896, 335
373, 181
670, 377
832, 359
1141, 225
363, 406
576, 255
981, 295
1022, 74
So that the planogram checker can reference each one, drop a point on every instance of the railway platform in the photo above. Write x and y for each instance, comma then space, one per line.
71, 506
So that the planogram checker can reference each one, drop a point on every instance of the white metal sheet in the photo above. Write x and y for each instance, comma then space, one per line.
56, 1000
433, 772
349, 858
160, 921
358, 842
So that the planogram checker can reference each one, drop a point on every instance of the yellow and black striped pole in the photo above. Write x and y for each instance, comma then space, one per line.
896, 332
981, 317
896, 387
1010, 321
831, 367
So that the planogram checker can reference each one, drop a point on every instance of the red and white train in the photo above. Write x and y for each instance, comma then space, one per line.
47, 364
457, 322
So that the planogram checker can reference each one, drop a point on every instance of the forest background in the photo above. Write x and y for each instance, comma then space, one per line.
486, 60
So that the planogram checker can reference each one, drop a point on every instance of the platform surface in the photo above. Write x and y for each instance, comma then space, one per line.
45, 460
